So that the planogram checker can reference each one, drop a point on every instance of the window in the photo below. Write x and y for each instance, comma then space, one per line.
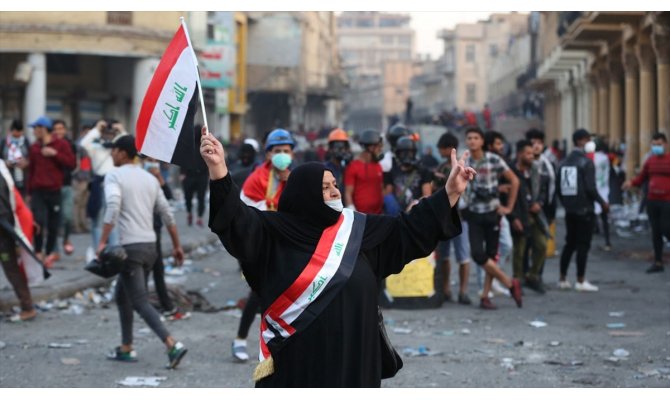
493, 50
120, 17
406, 39
364, 23
471, 93
387, 39
63, 64
470, 53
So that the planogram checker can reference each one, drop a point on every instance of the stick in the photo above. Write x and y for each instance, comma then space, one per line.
195, 60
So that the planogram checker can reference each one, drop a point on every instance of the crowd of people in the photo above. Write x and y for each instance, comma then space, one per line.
499, 212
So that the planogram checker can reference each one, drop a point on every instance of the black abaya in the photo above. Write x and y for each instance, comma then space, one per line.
341, 347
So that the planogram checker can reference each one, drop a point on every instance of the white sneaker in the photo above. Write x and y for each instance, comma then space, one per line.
564, 285
499, 289
240, 350
586, 286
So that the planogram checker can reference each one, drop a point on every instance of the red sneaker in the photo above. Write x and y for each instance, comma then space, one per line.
199, 222
189, 219
515, 291
486, 304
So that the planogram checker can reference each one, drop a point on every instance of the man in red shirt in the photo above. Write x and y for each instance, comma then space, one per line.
657, 171
49, 156
363, 179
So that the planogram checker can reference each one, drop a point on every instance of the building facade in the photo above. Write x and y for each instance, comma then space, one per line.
294, 78
377, 50
608, 72
83, 66
474, 48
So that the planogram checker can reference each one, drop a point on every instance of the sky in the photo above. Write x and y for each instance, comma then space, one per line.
427, 23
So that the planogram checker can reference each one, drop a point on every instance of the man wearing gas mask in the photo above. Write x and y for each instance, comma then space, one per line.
339, 155
410, 181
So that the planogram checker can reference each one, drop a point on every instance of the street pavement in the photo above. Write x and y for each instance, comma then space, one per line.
617, 337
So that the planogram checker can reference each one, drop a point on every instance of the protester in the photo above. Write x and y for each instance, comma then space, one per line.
170, 312
547, 161
132, 194
81, 178
576, 186
410, 181
262, 190
194, 181
49, 157
529, 225
428, 160
15, 149
97, 143
363, 179
484, 213
656, 171
336, 342
67, 193
15, 219
447, 144
339, 155
595, 152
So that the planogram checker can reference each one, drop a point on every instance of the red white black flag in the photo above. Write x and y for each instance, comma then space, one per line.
164, 128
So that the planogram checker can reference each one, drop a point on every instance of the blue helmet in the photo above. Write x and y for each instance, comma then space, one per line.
277, 137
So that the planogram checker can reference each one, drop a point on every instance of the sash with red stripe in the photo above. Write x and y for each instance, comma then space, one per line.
320, 281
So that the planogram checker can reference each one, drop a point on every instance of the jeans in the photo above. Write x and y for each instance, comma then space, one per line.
461, 246
66, 206
538, 248
131, 291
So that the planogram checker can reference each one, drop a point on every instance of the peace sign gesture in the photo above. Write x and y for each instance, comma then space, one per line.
459, 177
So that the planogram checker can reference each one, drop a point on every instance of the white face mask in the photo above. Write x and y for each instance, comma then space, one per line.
335, 204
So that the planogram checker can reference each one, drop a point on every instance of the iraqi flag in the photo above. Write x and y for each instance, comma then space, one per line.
164, 128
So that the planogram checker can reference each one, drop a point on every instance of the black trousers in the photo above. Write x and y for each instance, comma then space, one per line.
659, 218
45, 206
252, 307
198, 186
579, 231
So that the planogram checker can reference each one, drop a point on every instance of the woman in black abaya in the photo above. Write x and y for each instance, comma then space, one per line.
336, 341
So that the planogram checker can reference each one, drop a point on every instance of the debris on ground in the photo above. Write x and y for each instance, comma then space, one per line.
617, 314
621, 353
419, 351
152, 381
626, 333
70, 361
554, 343
54, 345
507, 363
538, 324
616, 325
2, 345
402, 331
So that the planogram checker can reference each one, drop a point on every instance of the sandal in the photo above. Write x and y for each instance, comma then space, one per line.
23, 316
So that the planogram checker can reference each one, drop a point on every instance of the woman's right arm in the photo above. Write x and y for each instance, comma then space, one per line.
239, 227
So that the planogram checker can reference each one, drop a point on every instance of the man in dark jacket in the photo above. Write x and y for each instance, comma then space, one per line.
576, 187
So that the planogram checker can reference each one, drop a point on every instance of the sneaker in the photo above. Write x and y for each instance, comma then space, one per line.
585, 286
189, 219
176, 315
564, 285
535, 284
126, 356
464, 299
175, 354
199, 222
491, 295
23, 316
655, 268
240, 350
486, 304
515, 292
498, 288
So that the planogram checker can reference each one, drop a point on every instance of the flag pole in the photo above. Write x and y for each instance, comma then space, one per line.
195, 60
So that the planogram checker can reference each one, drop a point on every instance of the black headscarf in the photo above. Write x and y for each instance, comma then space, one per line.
303, 196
